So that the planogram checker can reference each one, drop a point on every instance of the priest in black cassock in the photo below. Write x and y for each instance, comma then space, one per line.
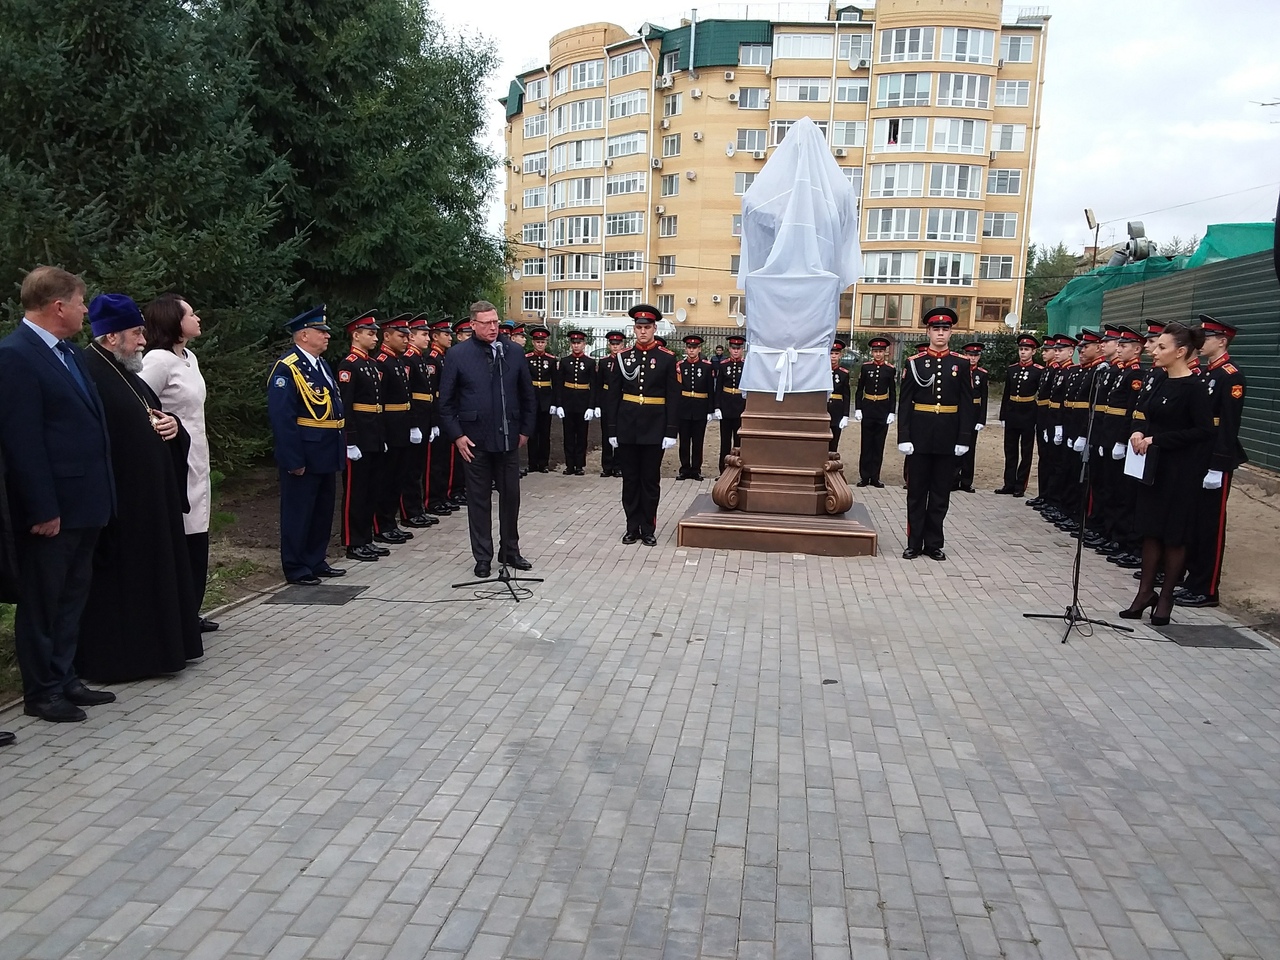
141, 619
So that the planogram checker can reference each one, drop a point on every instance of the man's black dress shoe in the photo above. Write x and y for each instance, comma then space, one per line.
569, 471
1035, 502
910, 553
630, 537
966, 489
440, 510
328, 571
696, 476
617, 472
482, 568
362, 553
55, 710
524, 472
649, 540
82, 696
307, 581
864, 482
376, 550
606, 473
7, 738
415, 522
207, 625
1194, 599
877, 484
517, 561
938, 554
1005, 491
1066, 525
392, 537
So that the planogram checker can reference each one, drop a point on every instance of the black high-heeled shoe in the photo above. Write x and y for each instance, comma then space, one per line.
1135, 612
1160, 620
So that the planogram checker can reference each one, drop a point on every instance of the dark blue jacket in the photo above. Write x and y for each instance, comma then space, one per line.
472, 395
57, 453
306, 415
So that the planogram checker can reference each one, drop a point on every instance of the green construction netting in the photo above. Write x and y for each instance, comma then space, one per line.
1226, 241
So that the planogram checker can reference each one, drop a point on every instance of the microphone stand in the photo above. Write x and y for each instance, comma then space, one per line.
1074, 615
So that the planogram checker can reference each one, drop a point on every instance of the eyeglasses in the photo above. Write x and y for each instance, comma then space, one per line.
484, 323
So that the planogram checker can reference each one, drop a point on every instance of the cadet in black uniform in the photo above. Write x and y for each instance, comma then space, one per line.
422, 404
1075, 423
695, 408
964, 469
542, 367
1115, 413
1225, 384
874, 399
440, 450
604, 369
642, 394
396, 426
575, 402
1045, 466
935, 423
360, 384
731, 402
840, 401
1059, 506
457, 467
1018, 415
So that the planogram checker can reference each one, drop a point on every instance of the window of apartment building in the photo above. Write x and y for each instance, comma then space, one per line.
959, 136
1011, 137
560, 81
892, 223
742, 182
804, 90
1017, 49
630, 261
534, 300
575, 266
755, 54
752, 139
753, 98
671, 145
620, 183
579, 115
854, 176
802, 46
670, 185
575, 303
672, 104
626, 144
955, 226
576, 155
955, 269
737, 305
897, 180
903, 135
1000, 225
963, 306
668, 225
626, 64
735, 229
620, 301
849, 133
908, 43
666, 304
667, 266
578, 192
967, 45
889, 266
535, 197
903, 90
535, 162
735, 264
995, 268
533, 232
955, 180
535, 126
993, 309
1004, 182
1013, 93
854, 47
778, 129
533, 267
964, 90
589, 73
623, 224
671, 62
887, 310
852, 91
628, 104
566, 231
535, 89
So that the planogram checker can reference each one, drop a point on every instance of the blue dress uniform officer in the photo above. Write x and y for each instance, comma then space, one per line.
839, 403
935, 424
307, 422
604, 370
642, 396
1018, 415
964, 469
731, 402
873, 401
360, 386
695, 408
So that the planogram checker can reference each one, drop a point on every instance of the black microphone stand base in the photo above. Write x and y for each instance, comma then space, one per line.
504, 578
1074, 616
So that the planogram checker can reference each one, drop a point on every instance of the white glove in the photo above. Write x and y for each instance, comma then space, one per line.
353, 453
1213, 480
435, 432
1057, 435
551, 409
559, 412
857, 417
1045, 434
1001, 422
668, 443
1117, 452
710, 417
977, 427
415, 435
1101, 451
613, 442
844, 421
961, 450
1078, 444
596, 411
589, 416
892, 417
906, 449
718, 415
385, 448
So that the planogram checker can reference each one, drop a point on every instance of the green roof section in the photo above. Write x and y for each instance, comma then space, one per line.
716, 42
515, 99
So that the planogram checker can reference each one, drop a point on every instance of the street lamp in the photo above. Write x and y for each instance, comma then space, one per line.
1092, 221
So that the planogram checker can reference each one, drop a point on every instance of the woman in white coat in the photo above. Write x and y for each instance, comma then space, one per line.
171, 370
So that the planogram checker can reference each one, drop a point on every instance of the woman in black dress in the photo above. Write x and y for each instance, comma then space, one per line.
1178, 433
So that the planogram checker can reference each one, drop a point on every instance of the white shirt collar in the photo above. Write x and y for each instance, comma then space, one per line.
50, 340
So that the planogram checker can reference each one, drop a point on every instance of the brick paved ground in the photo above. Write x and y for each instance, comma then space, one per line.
666, 753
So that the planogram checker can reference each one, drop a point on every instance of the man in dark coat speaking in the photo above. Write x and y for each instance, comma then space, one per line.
486, 409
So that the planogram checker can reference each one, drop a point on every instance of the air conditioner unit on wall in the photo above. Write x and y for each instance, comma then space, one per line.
728, 76
655, 163
691, 174
697, 135
841, 152
862, 64
609, 162
758, 155
514, 207
715, 298
666, 124
657, 281
696, 93
999, 63
733, 98
542, 104
659, 209
993, 156
691, 300
665, 82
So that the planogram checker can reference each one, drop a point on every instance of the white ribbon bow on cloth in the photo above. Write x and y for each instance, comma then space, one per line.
787, 358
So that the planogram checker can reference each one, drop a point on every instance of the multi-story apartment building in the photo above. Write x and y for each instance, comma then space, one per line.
629, 154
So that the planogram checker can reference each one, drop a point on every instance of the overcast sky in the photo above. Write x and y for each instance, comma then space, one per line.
1151, 108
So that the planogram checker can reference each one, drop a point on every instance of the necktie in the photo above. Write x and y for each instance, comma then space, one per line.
69, 358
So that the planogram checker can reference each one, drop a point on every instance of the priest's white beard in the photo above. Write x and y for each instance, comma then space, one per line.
131, 362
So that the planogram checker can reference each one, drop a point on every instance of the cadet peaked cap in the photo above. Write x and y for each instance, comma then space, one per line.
463, 324
444, 324
941, 317
1154, 328
615, 336
1127, 334
837, 345
368, 319
576, 335
312, 319
737, 341
878, 343
540, 333
974, 347
420, 322
693, 340
1027, 340
1216, 328
1090, 336
399, 322
644, 313
113, 312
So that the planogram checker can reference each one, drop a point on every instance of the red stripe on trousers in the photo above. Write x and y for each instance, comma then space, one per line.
1222, 536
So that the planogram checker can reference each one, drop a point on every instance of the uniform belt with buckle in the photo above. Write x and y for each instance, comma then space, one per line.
935, 408
730, 389
691, 393
542, 383
875, 396
631, 398
367, 407
395, 408
323, 424
1025, 400
577, 386
425, 397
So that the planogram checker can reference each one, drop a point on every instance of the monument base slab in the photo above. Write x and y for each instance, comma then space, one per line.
706, 525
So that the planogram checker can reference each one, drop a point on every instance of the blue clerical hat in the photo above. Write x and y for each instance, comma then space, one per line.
113, 312
312, 319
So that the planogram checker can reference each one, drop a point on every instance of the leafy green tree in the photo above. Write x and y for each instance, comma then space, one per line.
1048, 271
